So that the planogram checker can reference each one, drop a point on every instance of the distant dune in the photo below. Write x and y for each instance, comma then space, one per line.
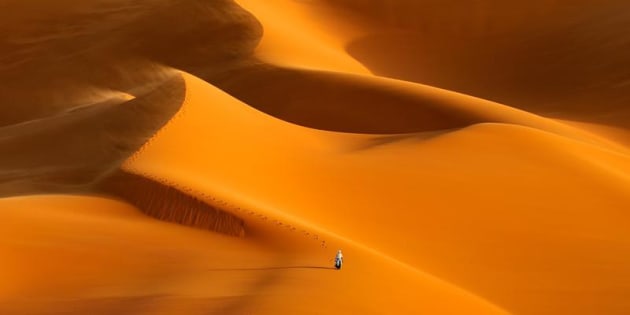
562, 58
67, 53
210, 157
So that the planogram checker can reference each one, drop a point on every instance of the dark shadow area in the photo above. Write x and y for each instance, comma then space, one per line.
169, 204
377, 141
341, 102
59, 55
69, 151
271, 268
565, 60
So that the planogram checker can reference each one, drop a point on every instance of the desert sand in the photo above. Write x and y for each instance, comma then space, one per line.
210, 157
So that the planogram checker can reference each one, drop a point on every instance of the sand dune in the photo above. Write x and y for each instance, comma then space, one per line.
562, 58
261, 214
350, 175
160, 201
71, 150
73, 52
360, 104
468, 157
559, 58
306, 42
91, 255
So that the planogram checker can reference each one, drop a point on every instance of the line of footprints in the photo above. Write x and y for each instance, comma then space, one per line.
225, 205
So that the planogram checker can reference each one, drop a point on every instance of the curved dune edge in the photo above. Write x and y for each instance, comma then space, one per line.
351, 103
487, 48
443, 203
334, 26
306, 43
302, 177
265, 222
68, 152
170, 204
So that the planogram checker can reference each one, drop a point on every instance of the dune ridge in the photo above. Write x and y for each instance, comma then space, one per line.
170, 204
433, 141
267, 222
354, 103
58, 56
311, 181
73, 149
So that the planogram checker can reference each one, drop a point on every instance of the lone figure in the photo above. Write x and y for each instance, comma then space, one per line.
338, 260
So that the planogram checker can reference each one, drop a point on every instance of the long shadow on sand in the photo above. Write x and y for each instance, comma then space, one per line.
270, 268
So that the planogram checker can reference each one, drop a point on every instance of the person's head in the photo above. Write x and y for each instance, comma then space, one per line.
339, 251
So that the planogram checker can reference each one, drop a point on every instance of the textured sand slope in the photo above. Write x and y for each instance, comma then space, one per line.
169, 204
69, 151
68, 53
514, 202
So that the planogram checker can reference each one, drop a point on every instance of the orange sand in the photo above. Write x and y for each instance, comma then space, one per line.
277, 135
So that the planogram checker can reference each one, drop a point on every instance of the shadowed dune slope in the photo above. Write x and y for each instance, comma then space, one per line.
562, 58
363, 104
68, 151
514, 202
68, 53
169, 204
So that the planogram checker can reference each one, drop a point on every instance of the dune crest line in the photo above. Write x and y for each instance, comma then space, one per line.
167, 203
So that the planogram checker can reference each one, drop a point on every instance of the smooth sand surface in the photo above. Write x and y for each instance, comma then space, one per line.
100, 256
210, 157
529, 186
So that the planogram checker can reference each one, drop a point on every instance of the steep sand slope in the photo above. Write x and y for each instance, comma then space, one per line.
561, 58
524, 217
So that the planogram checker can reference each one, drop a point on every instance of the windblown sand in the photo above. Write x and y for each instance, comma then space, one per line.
210, 157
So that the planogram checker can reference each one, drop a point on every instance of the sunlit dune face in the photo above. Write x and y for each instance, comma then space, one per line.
314, 38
